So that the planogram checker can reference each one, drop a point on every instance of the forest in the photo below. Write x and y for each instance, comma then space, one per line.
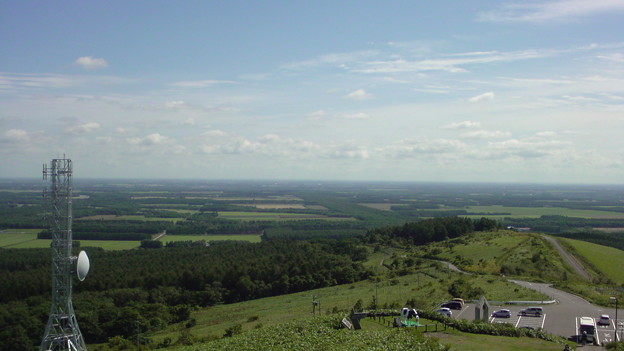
159, 286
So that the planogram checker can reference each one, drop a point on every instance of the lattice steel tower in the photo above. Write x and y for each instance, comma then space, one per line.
62, 332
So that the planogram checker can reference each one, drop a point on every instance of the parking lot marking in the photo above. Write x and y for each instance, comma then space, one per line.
543, 320
596, 331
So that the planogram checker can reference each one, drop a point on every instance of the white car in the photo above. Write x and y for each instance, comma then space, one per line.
604, 320
445, 311
502, 314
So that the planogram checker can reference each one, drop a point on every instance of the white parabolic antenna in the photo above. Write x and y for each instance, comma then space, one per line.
82, 266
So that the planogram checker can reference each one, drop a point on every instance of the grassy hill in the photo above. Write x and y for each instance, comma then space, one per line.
324, 333
607, 260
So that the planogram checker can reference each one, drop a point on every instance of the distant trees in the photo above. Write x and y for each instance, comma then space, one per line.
430, 230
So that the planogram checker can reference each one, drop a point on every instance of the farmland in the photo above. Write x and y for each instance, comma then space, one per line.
252, 238
376, 245
277, 216
534, 212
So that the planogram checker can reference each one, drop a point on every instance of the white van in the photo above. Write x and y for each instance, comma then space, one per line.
532, 311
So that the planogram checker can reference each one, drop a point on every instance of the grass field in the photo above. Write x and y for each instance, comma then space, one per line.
475, 342
123, 218
276, 206
276, 216
536, 212
29, 240
383, 206
252, 238
608, 260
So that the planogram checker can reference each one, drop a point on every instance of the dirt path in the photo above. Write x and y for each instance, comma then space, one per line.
164, 232
578, 267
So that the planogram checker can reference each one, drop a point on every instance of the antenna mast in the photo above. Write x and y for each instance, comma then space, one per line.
62, 332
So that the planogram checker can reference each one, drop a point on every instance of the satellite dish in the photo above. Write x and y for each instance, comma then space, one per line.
82, 266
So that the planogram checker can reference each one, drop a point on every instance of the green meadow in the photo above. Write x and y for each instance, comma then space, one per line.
275, 216
252, 238
607, 260
501, 212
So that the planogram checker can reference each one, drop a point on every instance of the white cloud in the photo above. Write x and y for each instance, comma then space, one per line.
462, 125
485, 134
348, 152
152, 139
15, 136
453, 63
82, 129
270, 145
359, 94
189, 122
546, 134
215, 133
483, 97
175, 104
549, 11
91, 63
408, 148
318, 113
358, 115
615, 57
201, 83
527, 148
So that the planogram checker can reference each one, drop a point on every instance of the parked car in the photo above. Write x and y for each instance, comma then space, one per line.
502, 314
445, 312
604, 320
532, 311
454, 305
459, 300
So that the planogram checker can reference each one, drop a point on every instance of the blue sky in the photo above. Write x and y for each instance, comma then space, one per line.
502, 91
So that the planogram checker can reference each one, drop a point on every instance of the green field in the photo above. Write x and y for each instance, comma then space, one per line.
27, 239
131, 217
536, 212
252, 238
276, 216
10, 239
607, 260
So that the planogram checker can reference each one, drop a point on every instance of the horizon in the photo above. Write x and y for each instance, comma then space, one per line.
479, 91
327, 181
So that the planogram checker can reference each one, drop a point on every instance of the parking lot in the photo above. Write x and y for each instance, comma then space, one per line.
604, 333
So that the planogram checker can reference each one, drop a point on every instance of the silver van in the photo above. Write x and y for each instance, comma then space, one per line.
532, 311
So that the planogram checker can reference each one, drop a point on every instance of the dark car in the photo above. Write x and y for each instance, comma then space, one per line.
454, 305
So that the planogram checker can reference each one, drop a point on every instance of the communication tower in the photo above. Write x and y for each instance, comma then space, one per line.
62, 332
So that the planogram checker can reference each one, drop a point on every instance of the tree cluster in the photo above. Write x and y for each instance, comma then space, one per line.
429, 230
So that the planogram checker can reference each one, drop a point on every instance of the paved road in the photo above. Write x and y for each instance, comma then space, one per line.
572, 261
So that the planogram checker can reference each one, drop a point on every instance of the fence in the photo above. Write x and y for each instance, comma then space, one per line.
390, 321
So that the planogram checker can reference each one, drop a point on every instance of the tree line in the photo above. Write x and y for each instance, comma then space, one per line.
429, 230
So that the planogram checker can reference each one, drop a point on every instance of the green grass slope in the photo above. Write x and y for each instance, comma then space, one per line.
607, 260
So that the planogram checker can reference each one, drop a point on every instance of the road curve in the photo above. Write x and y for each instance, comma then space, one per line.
572, 261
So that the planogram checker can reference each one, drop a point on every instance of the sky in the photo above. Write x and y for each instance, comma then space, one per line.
444, 91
